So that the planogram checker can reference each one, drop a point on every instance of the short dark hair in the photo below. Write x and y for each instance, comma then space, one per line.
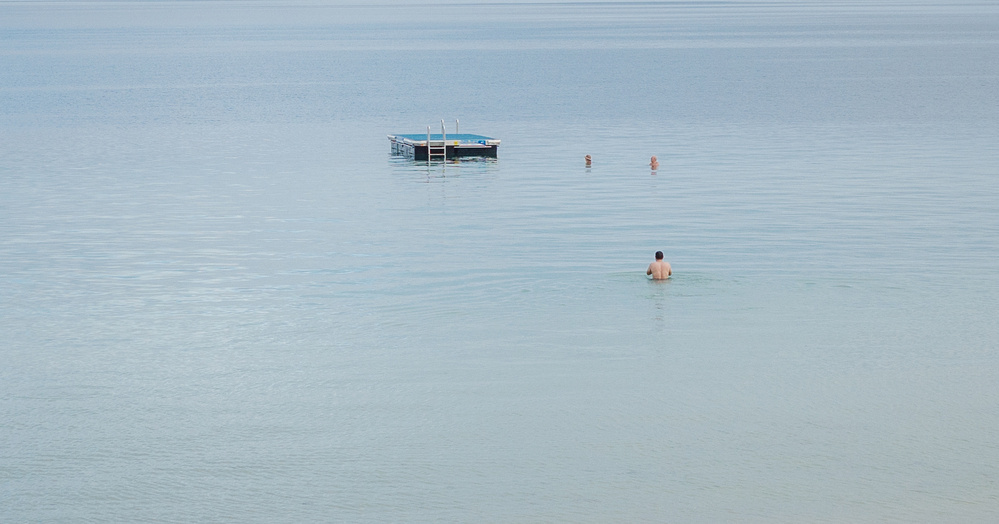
659, 255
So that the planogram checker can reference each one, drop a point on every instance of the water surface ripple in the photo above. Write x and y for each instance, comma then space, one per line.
222, 299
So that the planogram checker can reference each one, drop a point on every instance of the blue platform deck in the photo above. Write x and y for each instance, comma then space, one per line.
456, 139
457, 145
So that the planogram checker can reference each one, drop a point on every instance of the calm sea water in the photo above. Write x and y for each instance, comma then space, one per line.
222, 299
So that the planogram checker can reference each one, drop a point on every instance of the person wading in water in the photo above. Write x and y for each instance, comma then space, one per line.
660, 269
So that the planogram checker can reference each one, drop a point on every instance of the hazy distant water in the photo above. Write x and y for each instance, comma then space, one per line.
221, 299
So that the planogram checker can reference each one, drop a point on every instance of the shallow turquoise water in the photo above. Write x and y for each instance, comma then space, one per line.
221, 298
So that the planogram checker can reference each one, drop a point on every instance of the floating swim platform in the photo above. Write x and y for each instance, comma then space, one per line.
442, 146
454, 146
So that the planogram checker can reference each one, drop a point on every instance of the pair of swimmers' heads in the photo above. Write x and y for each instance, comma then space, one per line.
654, 162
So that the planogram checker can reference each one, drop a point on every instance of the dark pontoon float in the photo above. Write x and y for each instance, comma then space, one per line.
442, 146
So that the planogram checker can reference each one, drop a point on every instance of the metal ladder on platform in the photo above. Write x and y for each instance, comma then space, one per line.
437, 151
